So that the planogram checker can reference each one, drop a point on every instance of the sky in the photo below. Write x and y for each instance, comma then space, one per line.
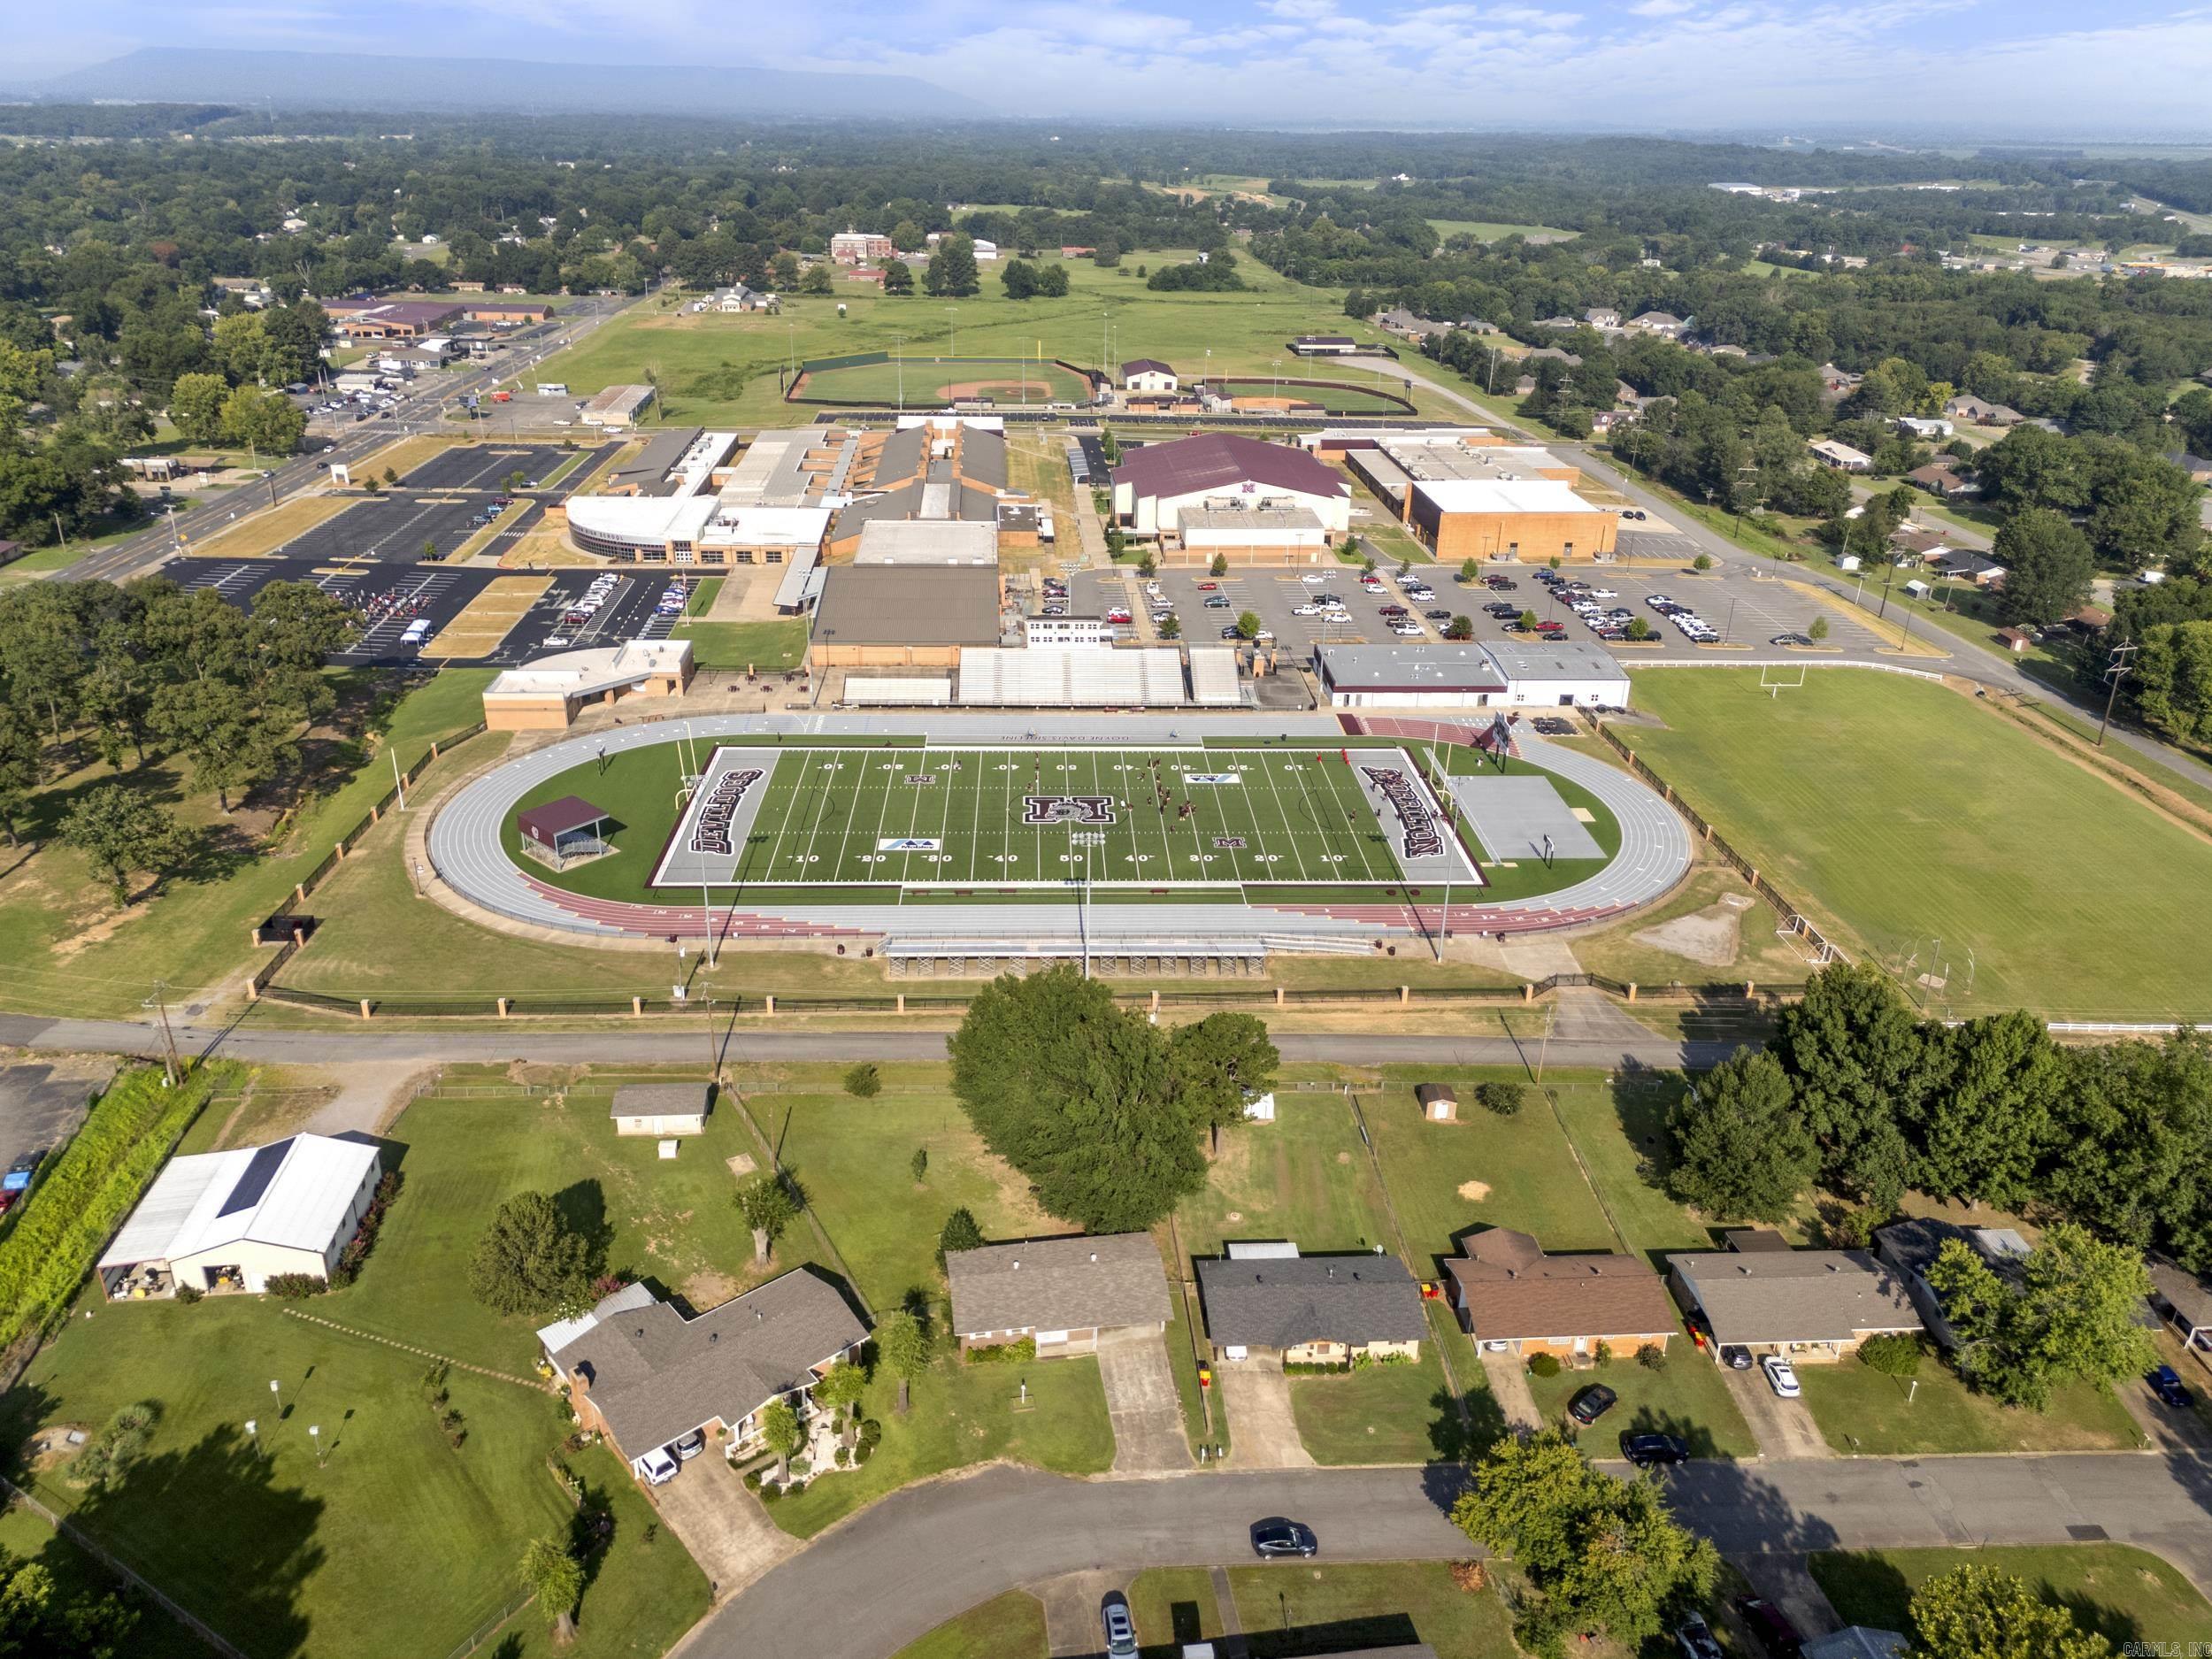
2049, 68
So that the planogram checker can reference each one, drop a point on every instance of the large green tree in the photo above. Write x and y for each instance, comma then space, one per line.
550, 1571
1860, 1064
1216, 1060
1742, 1148
770, 1204
1977, 1612
952, 272
2172, 680
196, 406
2048, 567
122, 831
2071, 1317
1986, 1130
1600, 1554
1078, 1095
529, 1259
268, 423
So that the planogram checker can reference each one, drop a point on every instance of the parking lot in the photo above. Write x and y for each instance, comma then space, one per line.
394, 528
1274, 595
487, 466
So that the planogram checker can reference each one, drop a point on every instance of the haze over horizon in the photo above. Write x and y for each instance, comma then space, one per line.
2130, 68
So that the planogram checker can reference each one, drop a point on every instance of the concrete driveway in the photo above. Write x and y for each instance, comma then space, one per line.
1784, 1428
1506, 1375
1141, 1400
1262, 1430
720, 1522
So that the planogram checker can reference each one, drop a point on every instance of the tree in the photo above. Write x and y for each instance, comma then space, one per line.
1977, 1612
1147, 566
530, 1260
1861, 1065
1702, 562
952, 270
1216, 1063
234, 741
1052, 282
779, 1431
919, 1163
1599, 1553
1638, 628
840, 1387
550, 1571
1220, 566
1527, 622
267, 422
1248, 625
2048, 567
1106, 252
769, 1204
2173, 679
1460, 628
1985, 1132
862, 1081
122, 831
902, 1344
959, 1233
1742, 1148
1501, 1098
1078, 1095
2071, 1317
817, 280
1020, 279
1170, 628
22, 763
898, 279
1817, 632
196, 406
1896, 1353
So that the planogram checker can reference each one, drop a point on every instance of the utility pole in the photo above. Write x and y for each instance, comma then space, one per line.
169, 1069
2115, 670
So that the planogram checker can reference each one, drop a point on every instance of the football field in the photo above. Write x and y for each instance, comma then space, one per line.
1001, 817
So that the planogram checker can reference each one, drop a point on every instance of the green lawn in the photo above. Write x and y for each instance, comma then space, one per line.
740, 646
1173, 1606
1010, 1626
964, 1414
1689, 1398
68, 950
306, 1556
1380, 1414
1305, 1178
2129, 1596
723, 368
1204, 1421
1294, 1609
1869, 799
1859, 1410
673, 1222
1619, 1127
1446, 1179
26, 1538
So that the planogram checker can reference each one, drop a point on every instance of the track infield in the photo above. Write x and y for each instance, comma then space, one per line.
923, 381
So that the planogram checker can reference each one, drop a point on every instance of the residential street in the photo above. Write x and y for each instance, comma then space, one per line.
867, 1588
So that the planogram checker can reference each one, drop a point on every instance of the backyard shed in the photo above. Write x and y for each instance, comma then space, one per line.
662, 1109
1439, 1102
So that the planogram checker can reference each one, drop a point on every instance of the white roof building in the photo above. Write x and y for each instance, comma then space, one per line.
230, 1220
927, 541
1498, 494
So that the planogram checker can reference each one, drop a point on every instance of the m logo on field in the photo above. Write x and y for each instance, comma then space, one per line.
1417, 831
1067, 809
907, 844
1229, 843
919, 779
710, 833
1213, 776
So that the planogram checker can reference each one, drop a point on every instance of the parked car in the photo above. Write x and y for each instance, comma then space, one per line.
658, 1467
1312, 579
1501, 584
1551, 630
1647, 1451
1781, 1376
1207, 587
1695, 1639
1121, 1630
1279, 1535
1592, 1403
1736, 1357
1217, 602
1790, 639
689, 1447
1230, 633
1118, 614
1501, 610
1438, 616
1405, 630
1771, 1626
1603, 593
2165, 1382
1390, 610
1305, 611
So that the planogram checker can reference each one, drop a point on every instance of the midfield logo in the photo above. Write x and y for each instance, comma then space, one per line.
1417, 831
711, 833
1067, 809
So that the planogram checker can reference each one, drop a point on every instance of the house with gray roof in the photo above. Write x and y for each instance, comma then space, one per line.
1808, 1305
2183, 1297
1311, 1309
644, 1375
1912, 1246
1062, 1293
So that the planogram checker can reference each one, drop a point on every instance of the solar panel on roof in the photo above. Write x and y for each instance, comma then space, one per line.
260, 1170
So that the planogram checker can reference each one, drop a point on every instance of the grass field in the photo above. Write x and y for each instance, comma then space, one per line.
1689, 1398
1380, 1414
1010, 1626
1300, 1608
925, 380
2129, 1596
1859, 1410
77, 1577
1903, 814
831, 817
740, 646
715, 368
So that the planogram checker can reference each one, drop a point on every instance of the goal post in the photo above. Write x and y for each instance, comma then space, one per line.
1772, 680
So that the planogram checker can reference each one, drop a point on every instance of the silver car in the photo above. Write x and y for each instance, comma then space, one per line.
1121, 1630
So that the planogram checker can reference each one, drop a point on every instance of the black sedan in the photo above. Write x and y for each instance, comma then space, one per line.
1592, 1403
1649, 1451
1736, 1357
1279, 1535
2166, 1383
1438, 616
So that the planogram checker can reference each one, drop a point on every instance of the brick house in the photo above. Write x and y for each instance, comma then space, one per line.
1060, 1293
1512, 1297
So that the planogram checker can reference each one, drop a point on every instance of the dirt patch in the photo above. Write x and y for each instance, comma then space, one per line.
742, 1164
1474, 1191
1343, 1157
996, 390
1234, 1215
1712, 936
707, 1289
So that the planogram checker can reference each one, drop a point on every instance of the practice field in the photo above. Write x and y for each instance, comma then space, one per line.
1010, 818
1925, 828
1345, 399
928, 381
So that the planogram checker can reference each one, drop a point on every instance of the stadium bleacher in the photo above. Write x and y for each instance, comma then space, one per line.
1072, 677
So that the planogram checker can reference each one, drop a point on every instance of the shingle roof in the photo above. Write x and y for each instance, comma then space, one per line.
1144, 365
660, 1100
1511, 1289
1058, 1283
1218, 460
1310, 1298
2183, 1290
901, 457
656, 1375
1795, 1296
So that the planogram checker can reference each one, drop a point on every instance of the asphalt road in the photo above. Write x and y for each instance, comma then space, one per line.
871, 1586
336, 1044
424, 411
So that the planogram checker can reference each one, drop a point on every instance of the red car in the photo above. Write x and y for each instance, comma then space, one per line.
1551, 630
1117, 615
1207, 587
